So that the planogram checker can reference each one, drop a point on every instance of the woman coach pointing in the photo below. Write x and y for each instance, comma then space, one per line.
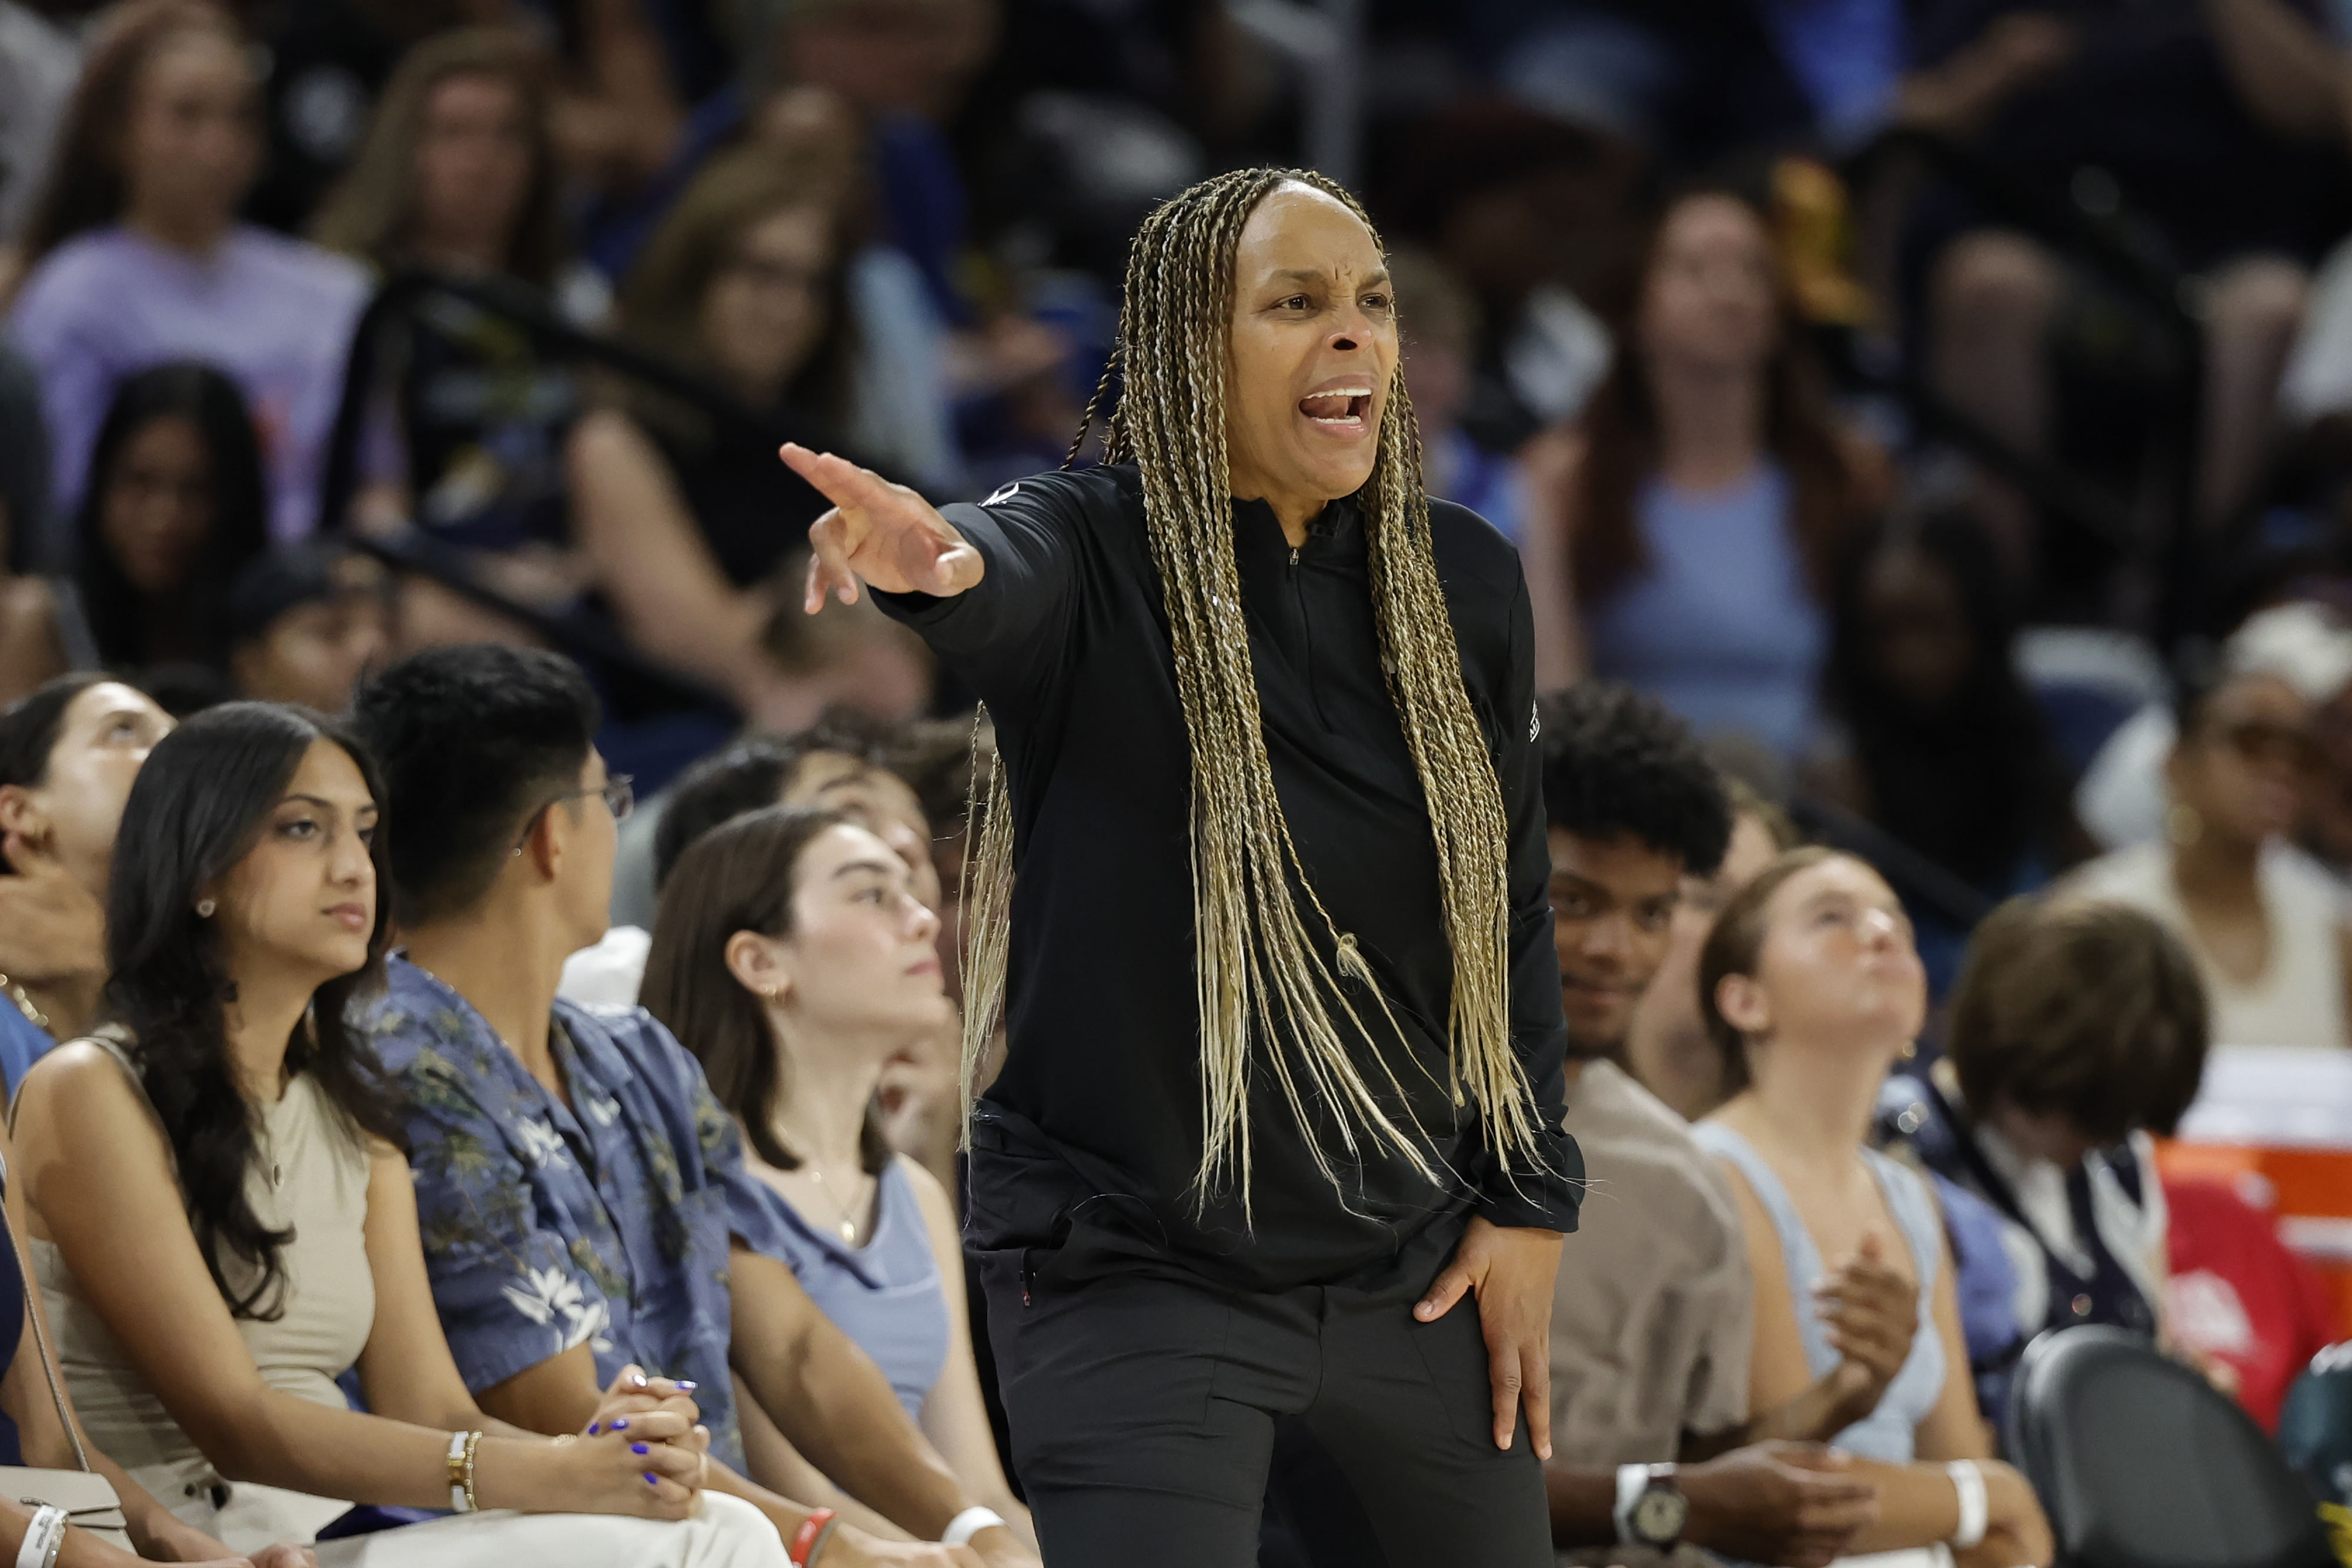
1284, 1070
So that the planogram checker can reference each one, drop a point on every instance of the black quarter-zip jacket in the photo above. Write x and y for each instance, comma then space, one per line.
1086, 1150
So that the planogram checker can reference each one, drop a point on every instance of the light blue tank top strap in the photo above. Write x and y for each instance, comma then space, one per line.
1888, 1433
888, 1295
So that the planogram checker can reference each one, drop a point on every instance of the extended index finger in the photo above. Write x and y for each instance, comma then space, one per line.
843, 483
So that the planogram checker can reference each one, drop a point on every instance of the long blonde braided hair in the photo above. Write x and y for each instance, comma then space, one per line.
1256, 966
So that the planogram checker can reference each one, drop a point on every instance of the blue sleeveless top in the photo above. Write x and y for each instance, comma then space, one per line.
887, 1294
1886, 1434
1720, 625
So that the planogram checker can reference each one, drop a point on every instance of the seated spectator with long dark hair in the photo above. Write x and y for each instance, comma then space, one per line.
135, 253
69, 754
1935, 737
2077, 1030
223, 1225
586, 1197
1812, 989
794, 956
176, 504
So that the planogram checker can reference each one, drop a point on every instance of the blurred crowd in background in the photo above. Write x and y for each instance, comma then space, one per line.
1945, 406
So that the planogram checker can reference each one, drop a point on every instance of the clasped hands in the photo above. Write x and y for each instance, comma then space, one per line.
643, 1410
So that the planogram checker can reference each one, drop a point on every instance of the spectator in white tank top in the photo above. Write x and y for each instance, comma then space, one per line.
2264, 924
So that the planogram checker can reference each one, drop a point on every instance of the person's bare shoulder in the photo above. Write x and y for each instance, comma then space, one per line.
77, 1093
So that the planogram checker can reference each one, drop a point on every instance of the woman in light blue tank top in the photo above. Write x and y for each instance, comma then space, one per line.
1811, 987
791, 957
1710, 495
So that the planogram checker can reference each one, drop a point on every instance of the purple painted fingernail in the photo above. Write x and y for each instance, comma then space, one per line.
649, 1479
685, 1388
593, 1429
622, 1425
639, 1448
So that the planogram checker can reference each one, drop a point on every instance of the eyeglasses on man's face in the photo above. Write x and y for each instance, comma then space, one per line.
620, 799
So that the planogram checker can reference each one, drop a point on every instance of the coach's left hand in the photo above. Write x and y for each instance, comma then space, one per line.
1512, 1271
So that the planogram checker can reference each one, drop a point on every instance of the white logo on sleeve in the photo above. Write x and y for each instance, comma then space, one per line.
1534, 723
1003, 493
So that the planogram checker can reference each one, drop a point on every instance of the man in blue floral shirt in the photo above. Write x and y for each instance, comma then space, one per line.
581, 1198
554, 1221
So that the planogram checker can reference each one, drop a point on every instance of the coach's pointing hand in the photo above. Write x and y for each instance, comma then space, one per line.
878, 532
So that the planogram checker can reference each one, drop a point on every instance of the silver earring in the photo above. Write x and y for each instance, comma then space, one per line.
205, 907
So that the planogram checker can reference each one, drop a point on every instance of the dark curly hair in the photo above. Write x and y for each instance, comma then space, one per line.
1616, 762
2090, 1010
473, 739
196, 808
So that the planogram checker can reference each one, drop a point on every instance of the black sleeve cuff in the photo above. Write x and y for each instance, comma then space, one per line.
1545, 1197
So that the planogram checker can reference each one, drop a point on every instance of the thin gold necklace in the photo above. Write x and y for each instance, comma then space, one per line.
848, 1227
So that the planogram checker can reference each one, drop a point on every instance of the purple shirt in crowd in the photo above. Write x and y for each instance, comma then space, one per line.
274, 313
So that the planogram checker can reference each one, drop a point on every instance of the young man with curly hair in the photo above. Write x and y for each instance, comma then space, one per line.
1651, 1317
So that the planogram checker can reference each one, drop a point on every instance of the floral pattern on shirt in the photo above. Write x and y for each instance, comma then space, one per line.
544, 1229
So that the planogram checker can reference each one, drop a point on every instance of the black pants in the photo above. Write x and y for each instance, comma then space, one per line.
1144, 1412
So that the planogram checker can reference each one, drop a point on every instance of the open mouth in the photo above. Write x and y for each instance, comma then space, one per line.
1342, 408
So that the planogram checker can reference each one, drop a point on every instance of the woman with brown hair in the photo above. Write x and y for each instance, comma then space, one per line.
1703, 500
135, 254
1811, 989
458, 177
458, 170
683, 517
792, 957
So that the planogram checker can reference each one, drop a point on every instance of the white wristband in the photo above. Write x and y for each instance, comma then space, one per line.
1975, 1506
969, 1524
1632, 1480
43, 1538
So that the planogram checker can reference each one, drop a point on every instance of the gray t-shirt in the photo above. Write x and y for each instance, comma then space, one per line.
1653, 1319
